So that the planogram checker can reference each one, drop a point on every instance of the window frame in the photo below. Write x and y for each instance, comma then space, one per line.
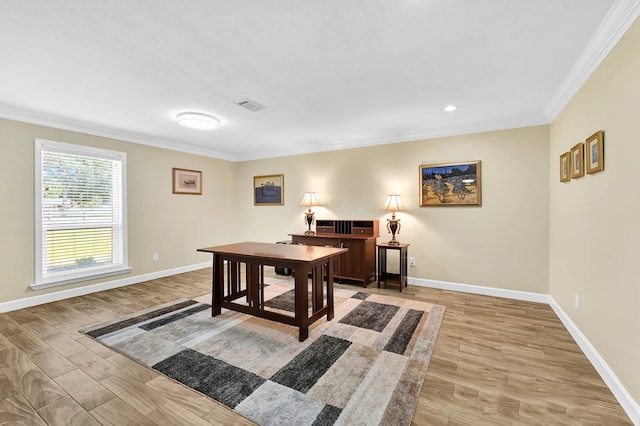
44, 280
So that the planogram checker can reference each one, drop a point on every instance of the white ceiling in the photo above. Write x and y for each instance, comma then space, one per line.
332, 74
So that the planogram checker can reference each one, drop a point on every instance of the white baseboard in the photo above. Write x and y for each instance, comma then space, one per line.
629, 405
94, 288
486, 291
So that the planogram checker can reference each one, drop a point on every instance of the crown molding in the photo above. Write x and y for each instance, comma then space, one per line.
410, 136
512, 122
57, 122
615, 24
49, 120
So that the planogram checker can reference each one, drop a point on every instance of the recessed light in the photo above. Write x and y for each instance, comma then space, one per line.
450, 108
198, 121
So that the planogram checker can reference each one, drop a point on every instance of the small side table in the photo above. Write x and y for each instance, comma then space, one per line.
383, 275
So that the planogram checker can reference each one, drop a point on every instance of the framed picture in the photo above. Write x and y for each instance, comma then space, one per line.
450, 184
187, 181
565, 166
268, 190
595, 152
577, 161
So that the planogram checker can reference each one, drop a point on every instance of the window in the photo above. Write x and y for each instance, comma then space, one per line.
80, 213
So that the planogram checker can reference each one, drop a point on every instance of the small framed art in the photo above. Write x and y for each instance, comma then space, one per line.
187, 181
451, 184
565, 167
595, 152
577, 161
268, 190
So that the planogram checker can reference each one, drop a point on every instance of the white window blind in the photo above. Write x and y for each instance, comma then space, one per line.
81, 215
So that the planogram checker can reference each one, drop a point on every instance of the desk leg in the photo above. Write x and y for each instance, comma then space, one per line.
217, 287
252, 278
329, 289
302, 301
317, 292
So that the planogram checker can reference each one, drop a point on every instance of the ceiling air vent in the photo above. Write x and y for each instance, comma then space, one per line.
250, 105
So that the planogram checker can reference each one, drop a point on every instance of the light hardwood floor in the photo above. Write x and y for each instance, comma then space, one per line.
496, 362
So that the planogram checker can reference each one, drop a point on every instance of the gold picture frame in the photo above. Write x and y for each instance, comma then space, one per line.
268, 190
450, 184
565, 167
595, 152
577, 160
187, 181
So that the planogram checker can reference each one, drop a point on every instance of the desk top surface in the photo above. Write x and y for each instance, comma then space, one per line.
276, 251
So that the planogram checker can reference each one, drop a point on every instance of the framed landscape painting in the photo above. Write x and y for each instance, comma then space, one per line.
268, 190
595, 152
577, 161
565, 166
187, 181
451, 184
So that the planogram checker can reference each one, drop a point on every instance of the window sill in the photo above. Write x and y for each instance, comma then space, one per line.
54, 282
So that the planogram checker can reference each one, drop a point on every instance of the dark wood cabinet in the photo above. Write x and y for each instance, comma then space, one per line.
311, 240
359, 236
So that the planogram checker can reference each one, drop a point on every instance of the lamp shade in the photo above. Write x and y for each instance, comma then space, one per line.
309, 200
393, 204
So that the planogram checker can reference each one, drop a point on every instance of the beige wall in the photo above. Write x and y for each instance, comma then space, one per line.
502, 244
159, 221
594, 219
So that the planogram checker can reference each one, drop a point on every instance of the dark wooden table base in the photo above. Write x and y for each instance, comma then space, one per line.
250, 258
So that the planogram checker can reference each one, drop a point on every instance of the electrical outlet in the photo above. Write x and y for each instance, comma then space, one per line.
156, 257
412, 262
577, 302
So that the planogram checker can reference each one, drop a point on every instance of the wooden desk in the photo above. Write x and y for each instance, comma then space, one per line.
401, 277
302, 260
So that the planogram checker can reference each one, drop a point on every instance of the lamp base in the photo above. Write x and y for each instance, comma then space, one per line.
393, 225
309, 218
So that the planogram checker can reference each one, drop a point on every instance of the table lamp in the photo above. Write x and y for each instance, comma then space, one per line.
309, 200
393, 205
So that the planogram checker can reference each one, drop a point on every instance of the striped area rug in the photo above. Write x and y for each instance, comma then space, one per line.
366, 366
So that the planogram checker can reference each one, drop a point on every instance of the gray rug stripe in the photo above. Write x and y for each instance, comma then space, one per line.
140, 318
360, 295
402, 336
303, 371
370, 315
223, 382
285, 301
327, 416
175, 317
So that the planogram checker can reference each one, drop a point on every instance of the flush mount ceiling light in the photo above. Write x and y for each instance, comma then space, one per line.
198, 121
450, 108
